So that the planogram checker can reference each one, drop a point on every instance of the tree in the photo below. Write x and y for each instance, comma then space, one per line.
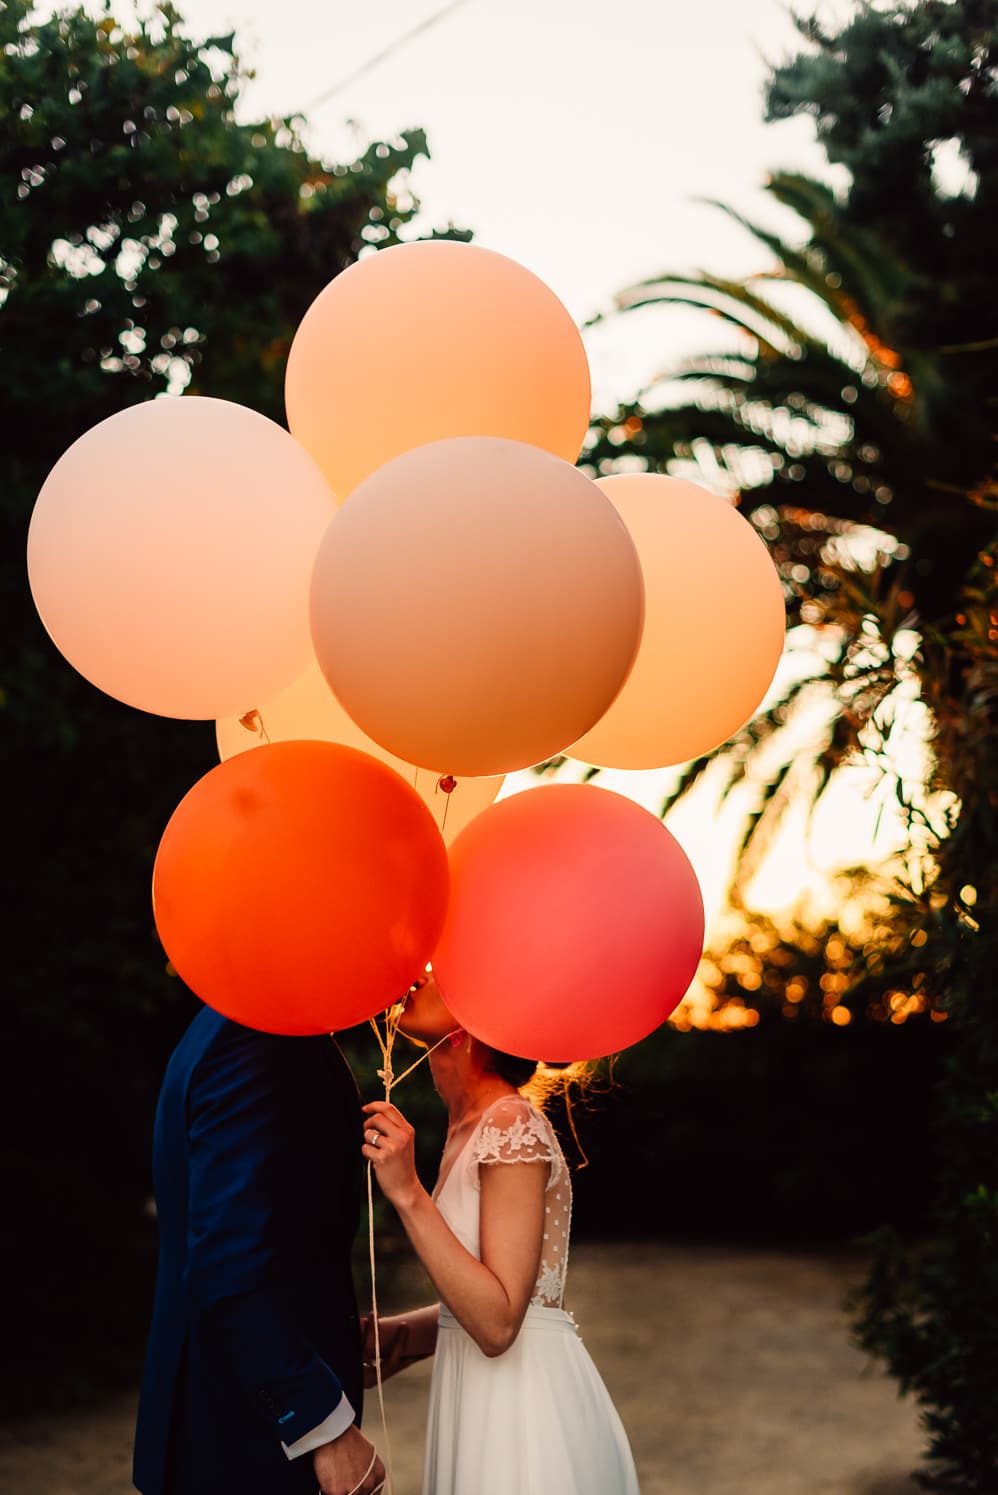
149, 242
871, 396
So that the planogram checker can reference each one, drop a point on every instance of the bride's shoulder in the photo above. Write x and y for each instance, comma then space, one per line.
507, 1109
513, 1113
513, 1130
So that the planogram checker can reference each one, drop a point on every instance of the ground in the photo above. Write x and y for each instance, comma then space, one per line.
732, 1371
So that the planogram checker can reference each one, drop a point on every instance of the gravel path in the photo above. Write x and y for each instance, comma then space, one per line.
732, 1372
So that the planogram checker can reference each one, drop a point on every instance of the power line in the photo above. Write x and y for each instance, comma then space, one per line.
379, 57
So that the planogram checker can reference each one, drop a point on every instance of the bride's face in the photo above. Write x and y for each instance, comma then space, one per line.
424, 1016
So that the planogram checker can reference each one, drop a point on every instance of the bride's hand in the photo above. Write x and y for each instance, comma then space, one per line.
389, 1145
393, 1336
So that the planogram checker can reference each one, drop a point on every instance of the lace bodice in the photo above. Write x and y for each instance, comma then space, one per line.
513, 1131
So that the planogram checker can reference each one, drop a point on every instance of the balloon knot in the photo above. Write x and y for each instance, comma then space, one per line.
447, 784
252, 722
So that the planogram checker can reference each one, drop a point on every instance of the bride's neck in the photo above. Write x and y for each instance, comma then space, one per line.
465, 1086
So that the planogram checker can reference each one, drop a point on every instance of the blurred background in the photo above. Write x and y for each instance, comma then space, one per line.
779, 237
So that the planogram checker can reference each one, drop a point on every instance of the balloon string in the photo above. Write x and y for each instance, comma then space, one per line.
407, 1072
387, 1075
390, 1476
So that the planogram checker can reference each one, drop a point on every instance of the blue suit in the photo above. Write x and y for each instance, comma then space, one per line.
255, 1335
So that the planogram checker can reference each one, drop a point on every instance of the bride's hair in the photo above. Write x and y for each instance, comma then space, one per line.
536, 1080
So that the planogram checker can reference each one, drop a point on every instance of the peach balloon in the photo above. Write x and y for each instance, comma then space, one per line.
429, 340
307, 708
170, 551
300, 888
476, 605
575, 924
714, 626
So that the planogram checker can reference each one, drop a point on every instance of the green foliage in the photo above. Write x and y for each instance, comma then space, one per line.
901, 94
931, 1310
148, 242
928, 1311
854, 416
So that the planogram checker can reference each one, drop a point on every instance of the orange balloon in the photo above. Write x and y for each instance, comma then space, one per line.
575, 924
308, 709
429, 340
476, 605
300, 888
714, 626
170, 551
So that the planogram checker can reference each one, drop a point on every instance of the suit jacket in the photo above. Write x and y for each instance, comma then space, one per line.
255, 1335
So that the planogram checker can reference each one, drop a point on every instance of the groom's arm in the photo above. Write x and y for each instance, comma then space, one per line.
236, 1125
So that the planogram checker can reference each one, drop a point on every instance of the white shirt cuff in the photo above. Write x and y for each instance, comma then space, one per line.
332, 1427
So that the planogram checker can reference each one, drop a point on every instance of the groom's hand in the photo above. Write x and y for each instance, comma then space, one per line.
341, 1466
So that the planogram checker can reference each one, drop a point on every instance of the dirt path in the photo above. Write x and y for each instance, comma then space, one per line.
732, 1372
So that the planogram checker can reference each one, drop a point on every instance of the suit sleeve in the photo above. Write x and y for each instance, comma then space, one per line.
236, 1121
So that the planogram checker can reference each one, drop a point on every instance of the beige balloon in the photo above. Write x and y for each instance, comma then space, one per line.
170, 551
307, 708
714, 626
476, 605
429, 340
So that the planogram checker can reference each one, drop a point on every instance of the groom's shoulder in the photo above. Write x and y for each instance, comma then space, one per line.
210, 1041
214, 1043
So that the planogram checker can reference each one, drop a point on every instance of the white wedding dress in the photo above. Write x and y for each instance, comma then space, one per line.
536, 1420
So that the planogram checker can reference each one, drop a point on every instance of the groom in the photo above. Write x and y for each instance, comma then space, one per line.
252, 1381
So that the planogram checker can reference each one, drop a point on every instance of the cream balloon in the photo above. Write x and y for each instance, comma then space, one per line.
476, 603
170, 551
307, 708
714, 626
429, 340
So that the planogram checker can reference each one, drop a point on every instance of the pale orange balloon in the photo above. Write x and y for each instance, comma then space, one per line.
714, 626
429, 340
307, 708
170, 551
476, 605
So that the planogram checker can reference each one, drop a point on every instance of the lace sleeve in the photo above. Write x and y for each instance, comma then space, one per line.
512, 1131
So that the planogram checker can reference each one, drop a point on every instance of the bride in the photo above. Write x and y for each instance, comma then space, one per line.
517, 1407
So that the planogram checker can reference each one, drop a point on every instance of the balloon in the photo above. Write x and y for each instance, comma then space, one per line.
429, 340
170, 551
300, 888
476, 605
713, 631
308, 709
575, 924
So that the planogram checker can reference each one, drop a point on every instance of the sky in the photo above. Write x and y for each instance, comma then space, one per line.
575, 136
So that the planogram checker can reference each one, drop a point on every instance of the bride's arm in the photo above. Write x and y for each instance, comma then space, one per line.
489, 1297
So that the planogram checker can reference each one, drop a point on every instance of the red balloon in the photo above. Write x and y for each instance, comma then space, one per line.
575, 924
300, 888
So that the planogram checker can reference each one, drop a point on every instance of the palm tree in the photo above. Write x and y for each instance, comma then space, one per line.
838, 447
818, 407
